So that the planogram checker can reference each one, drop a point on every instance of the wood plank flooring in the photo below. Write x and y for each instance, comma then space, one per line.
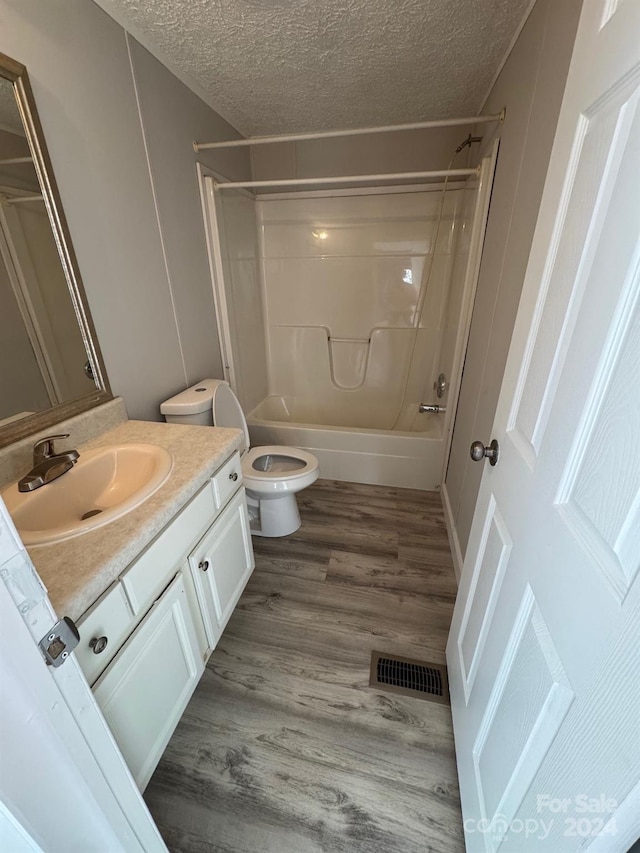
284, 747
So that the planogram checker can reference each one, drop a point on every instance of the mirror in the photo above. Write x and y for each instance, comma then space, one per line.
50, 364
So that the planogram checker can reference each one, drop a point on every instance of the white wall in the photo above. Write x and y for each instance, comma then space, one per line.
172, 117
130, 197
531, 86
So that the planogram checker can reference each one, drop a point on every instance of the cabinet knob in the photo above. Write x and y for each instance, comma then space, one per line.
204, 565
98, 644
233, 476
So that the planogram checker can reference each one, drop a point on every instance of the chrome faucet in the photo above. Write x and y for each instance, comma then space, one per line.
47, 464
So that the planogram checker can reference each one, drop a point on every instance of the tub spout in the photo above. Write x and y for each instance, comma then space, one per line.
431, 407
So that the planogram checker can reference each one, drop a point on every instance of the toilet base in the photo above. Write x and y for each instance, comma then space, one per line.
273, 516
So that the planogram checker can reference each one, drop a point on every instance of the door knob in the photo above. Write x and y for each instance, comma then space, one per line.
479, 452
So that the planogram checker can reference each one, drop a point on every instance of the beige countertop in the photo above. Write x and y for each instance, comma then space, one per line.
77, 571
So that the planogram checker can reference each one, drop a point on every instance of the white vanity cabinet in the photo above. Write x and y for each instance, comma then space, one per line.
144, 643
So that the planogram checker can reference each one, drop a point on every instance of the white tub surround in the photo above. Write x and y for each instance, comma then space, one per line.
410, 460
77, 571
355, 298
363, 296
355, 290
366, 295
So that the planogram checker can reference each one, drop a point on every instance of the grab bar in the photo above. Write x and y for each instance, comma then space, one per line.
350, 340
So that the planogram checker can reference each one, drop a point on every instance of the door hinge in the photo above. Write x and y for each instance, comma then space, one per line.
59, 641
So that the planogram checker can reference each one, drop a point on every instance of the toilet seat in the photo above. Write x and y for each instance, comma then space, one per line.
280, 467
282, 472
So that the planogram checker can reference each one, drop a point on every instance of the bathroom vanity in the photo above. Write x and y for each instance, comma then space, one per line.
152, 591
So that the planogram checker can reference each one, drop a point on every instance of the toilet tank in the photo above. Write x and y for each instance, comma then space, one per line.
191, 406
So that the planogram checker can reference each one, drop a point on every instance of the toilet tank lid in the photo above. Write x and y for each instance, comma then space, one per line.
192, 400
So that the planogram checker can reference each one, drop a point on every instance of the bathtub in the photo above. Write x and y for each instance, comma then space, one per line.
358, 446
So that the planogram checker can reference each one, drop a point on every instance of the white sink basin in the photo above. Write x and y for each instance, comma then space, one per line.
103, 485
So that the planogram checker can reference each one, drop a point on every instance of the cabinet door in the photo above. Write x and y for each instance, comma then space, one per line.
145, 689
221, 565
204, 646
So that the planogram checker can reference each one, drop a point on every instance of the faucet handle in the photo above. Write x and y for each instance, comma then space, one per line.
44, 448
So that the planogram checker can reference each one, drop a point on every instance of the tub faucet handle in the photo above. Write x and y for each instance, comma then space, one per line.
440, 385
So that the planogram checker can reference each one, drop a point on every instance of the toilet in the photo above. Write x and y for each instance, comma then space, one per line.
272, 475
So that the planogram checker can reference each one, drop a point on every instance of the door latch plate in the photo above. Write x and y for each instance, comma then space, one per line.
59, 642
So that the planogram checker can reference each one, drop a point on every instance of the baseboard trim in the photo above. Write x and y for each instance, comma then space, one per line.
454, 542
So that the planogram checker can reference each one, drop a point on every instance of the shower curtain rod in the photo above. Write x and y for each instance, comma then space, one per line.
328, 134
348, 179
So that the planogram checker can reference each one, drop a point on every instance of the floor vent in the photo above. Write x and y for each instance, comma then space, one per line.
410, 677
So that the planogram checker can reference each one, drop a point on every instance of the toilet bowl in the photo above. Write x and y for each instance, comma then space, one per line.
272, 475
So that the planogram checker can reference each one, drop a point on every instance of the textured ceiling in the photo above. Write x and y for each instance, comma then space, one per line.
272, 66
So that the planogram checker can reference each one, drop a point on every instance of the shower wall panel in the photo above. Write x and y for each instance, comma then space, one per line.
355, 292
236, 215
453, 309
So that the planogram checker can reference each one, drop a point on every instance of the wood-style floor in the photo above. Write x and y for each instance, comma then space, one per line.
284, 747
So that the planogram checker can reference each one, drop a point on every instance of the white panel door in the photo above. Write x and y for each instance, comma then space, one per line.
64, 785
145, 689
544, 650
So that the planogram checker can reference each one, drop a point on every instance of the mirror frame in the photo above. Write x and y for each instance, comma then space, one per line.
16, 73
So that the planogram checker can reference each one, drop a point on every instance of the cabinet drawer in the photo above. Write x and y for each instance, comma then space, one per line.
145, 579
227, 480
109, 618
